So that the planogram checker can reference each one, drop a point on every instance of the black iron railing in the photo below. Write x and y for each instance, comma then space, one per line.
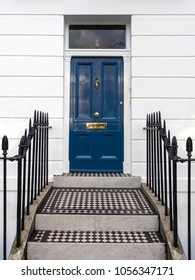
32, 171
161, 168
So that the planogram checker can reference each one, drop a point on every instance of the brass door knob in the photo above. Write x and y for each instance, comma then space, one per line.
96, 114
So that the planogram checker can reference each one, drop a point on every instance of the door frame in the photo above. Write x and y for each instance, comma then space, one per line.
125, 54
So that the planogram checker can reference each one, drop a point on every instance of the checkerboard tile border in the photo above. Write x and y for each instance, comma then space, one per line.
96, 174
95, 237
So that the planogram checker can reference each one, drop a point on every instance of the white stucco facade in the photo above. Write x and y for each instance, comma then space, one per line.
159, 73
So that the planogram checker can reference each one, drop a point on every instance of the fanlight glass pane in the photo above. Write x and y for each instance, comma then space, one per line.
97, 37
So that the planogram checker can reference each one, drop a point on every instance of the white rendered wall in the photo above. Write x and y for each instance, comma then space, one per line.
163, 79
97, 7
31, 77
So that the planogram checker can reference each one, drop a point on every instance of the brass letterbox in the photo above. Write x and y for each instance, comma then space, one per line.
93, 125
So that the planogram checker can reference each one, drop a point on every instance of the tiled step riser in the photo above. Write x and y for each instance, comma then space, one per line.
59, 251
97, 182
97, 222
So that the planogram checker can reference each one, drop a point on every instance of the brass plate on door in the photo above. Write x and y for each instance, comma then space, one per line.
96, 125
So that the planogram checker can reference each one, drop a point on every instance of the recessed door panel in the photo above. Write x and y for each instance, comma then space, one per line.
84, 148
108, 151
109, 91
83, 87
96, 114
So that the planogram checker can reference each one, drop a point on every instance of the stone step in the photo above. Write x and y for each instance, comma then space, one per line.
96, 216
98, 209
95, 245
97, 180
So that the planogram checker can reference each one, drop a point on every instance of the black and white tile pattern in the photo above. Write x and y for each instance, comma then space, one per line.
95, 237
98, 201
96, 174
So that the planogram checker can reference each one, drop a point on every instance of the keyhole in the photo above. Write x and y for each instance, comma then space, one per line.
97, 83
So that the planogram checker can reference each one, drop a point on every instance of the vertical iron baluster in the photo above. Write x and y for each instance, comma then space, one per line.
170, 184
19, 192
152, 151
42, 149
30, 135
161, 159
158, 156
165, 169
5, 149
36, 154
174, 159
154, 143
189, 149
33, 155
149, 152
39, 152
47, 148
24, 178
18, 228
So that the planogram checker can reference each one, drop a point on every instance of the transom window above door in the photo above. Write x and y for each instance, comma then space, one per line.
97, 36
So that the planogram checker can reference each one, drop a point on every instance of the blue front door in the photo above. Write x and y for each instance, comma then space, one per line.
96, 115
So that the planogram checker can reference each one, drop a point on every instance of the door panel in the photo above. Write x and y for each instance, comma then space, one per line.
109, 91
108, 151
84, 147
96, 114
83, 88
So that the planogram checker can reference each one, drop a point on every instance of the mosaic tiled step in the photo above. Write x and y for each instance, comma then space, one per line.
97, 180
97, 209
104, 201
95, 245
